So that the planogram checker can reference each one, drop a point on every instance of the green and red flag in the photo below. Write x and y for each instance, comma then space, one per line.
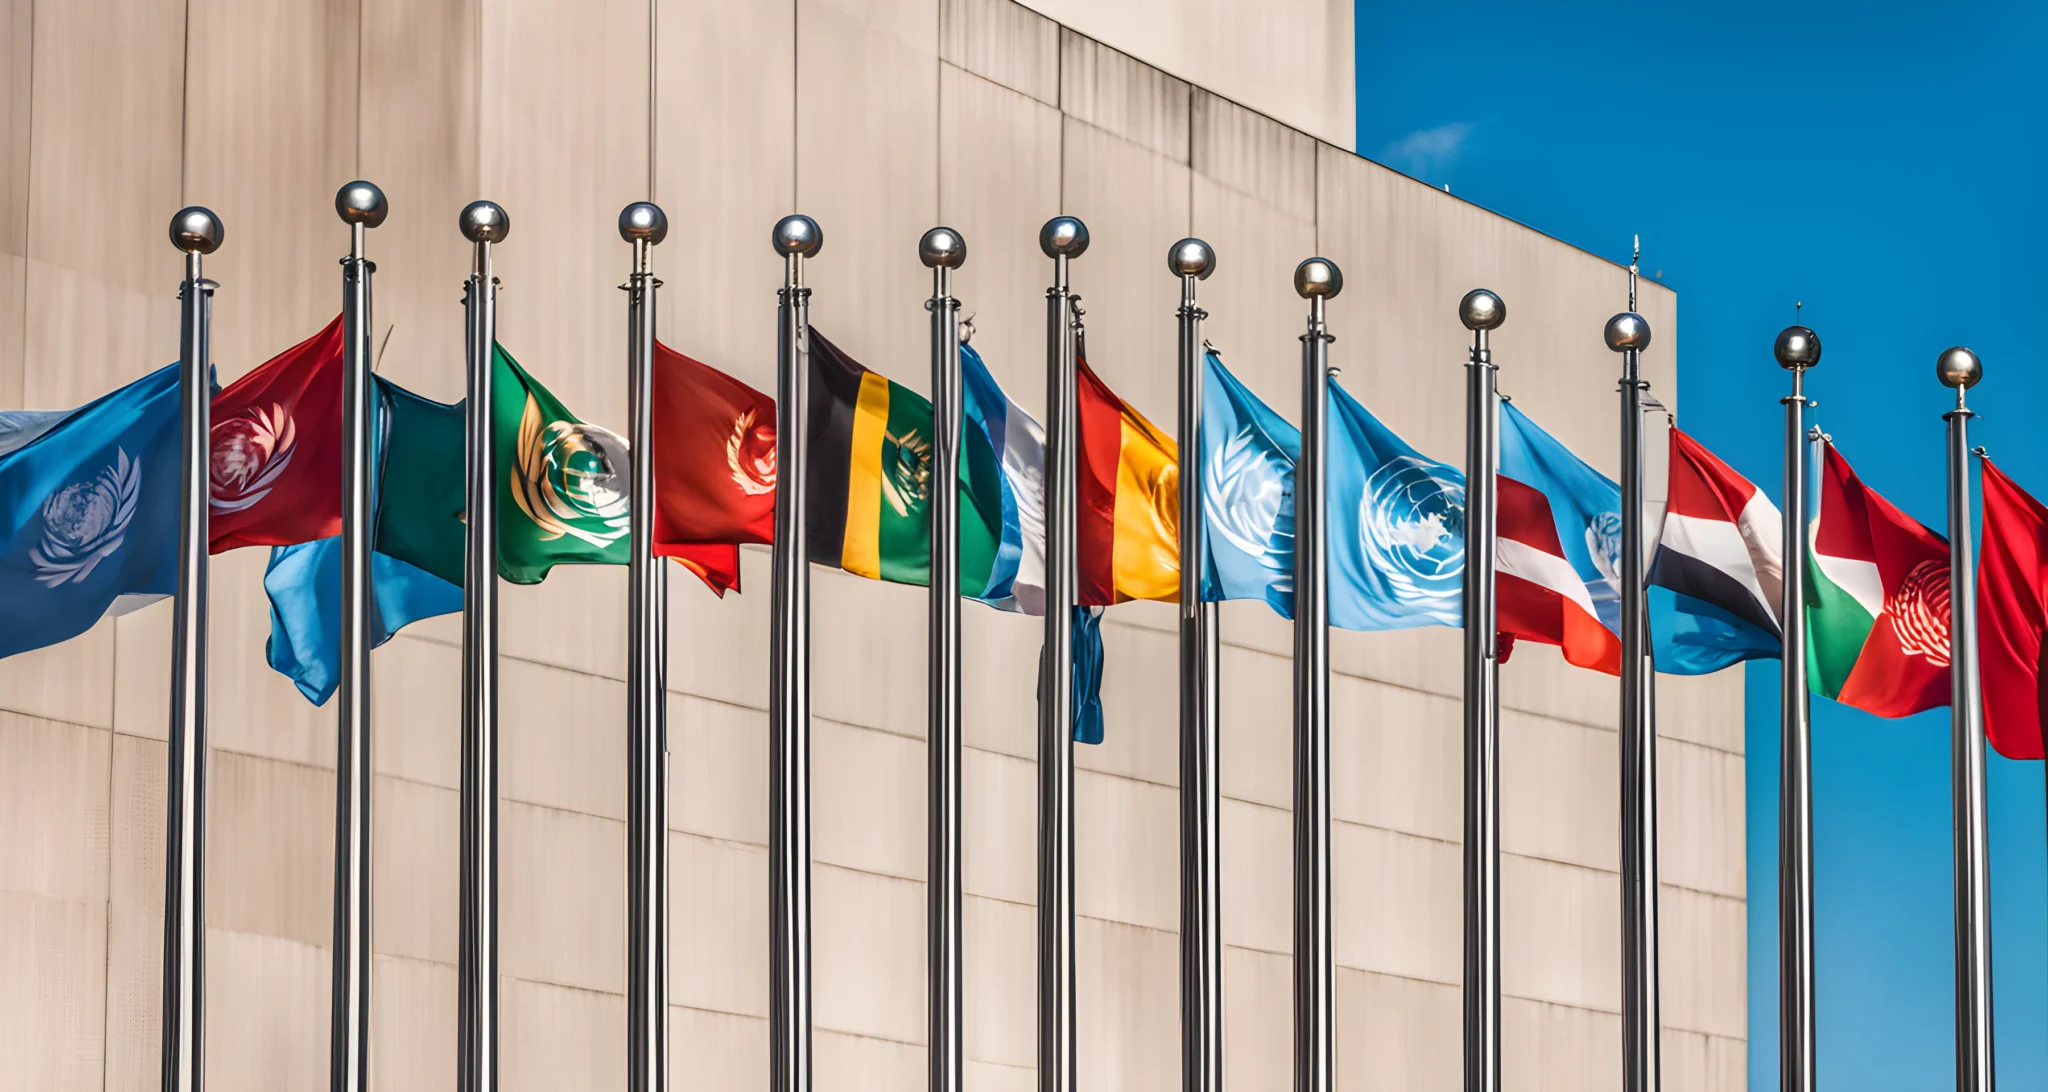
1877, 601
274, 464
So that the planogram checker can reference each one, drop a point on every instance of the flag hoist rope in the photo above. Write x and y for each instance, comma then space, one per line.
1960, 369
361, 206
483, 223
1315, 992
1628, 333
1201, 896
1063, 238
942, 250
1797, 349
643, 225
1482, 312
196, 232
795, 238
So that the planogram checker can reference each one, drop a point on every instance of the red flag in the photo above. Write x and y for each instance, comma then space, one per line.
714, 465
2012, 584
275, 462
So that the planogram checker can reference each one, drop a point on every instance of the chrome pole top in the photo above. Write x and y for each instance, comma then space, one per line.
1481, 309
196, 230
485, 222
362, 203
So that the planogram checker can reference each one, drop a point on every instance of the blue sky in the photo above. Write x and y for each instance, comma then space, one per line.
1873, 160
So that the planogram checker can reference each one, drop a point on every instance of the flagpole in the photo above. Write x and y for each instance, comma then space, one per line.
644, 225
1315, 989
1482, 312
197, 232
361, 206
1797, 349
1063, 238
1629, 334
789, 822
1201, 897
942, 250
483, 223
1959, 368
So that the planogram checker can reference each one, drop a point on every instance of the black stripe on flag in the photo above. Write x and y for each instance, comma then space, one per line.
1688, 575
835, 391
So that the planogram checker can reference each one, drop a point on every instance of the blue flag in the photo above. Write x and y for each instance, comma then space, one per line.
1397, 518
1017, 580
304, 585
90, 500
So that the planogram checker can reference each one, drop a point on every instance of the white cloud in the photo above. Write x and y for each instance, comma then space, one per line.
1427, 151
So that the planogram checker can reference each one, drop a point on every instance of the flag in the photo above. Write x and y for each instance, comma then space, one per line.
1017, 441
869, 478
1248, 459
276, 449
1127, 502
304, 586
1716, 578
91, 503
1876, 601
1558, 547
1396, 527
714, 460
2012, 588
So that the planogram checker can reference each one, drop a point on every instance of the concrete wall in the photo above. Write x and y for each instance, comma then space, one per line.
880, 118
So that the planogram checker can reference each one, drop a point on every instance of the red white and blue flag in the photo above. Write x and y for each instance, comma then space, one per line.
1716, 579
1559, 540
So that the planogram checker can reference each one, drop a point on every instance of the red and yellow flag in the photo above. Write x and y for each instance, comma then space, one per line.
1127, 510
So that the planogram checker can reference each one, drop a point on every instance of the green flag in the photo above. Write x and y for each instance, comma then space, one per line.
562, 483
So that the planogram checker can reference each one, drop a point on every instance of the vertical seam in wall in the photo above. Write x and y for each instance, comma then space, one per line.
939, 115
184, 106
1059, 95
28, 191
653, 87
107, 978
1191, 158
359, 167
795, 105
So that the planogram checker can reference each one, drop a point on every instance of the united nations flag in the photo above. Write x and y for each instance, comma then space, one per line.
90, 500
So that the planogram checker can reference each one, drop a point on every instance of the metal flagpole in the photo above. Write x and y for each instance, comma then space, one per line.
1315, 989
1482, 312
789, 820
1959, 368
361, 206
1797, 349
483, 223
942, 250
1063, 238
1629, 334
644, 225
1201, 896
197, 232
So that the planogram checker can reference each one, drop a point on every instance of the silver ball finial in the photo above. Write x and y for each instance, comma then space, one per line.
1481, 309
798, 235
485, 222
1318, 277
1958, 367
196, 230
1063, 237
1797, 347
643, 220
1626, 331
942, 248
362, 203
1191, 258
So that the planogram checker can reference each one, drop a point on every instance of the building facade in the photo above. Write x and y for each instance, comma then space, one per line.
880, 118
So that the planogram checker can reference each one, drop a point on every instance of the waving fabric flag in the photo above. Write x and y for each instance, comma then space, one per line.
2012, 612
714, 459
1719, 569
1017, 581
1559, 543
1397, 527
870, 479
1876, 601
1127, 503
275, 464
304, 586
1248, 458
91, 507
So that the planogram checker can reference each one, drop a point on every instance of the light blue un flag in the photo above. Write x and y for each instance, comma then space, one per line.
1397, 518
90, 503
304, 586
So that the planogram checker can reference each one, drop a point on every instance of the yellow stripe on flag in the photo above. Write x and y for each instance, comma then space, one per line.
1146, 564
860, 551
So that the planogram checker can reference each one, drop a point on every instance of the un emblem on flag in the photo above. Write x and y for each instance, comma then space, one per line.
86, 521
247, 454
1412, 523
573, 479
